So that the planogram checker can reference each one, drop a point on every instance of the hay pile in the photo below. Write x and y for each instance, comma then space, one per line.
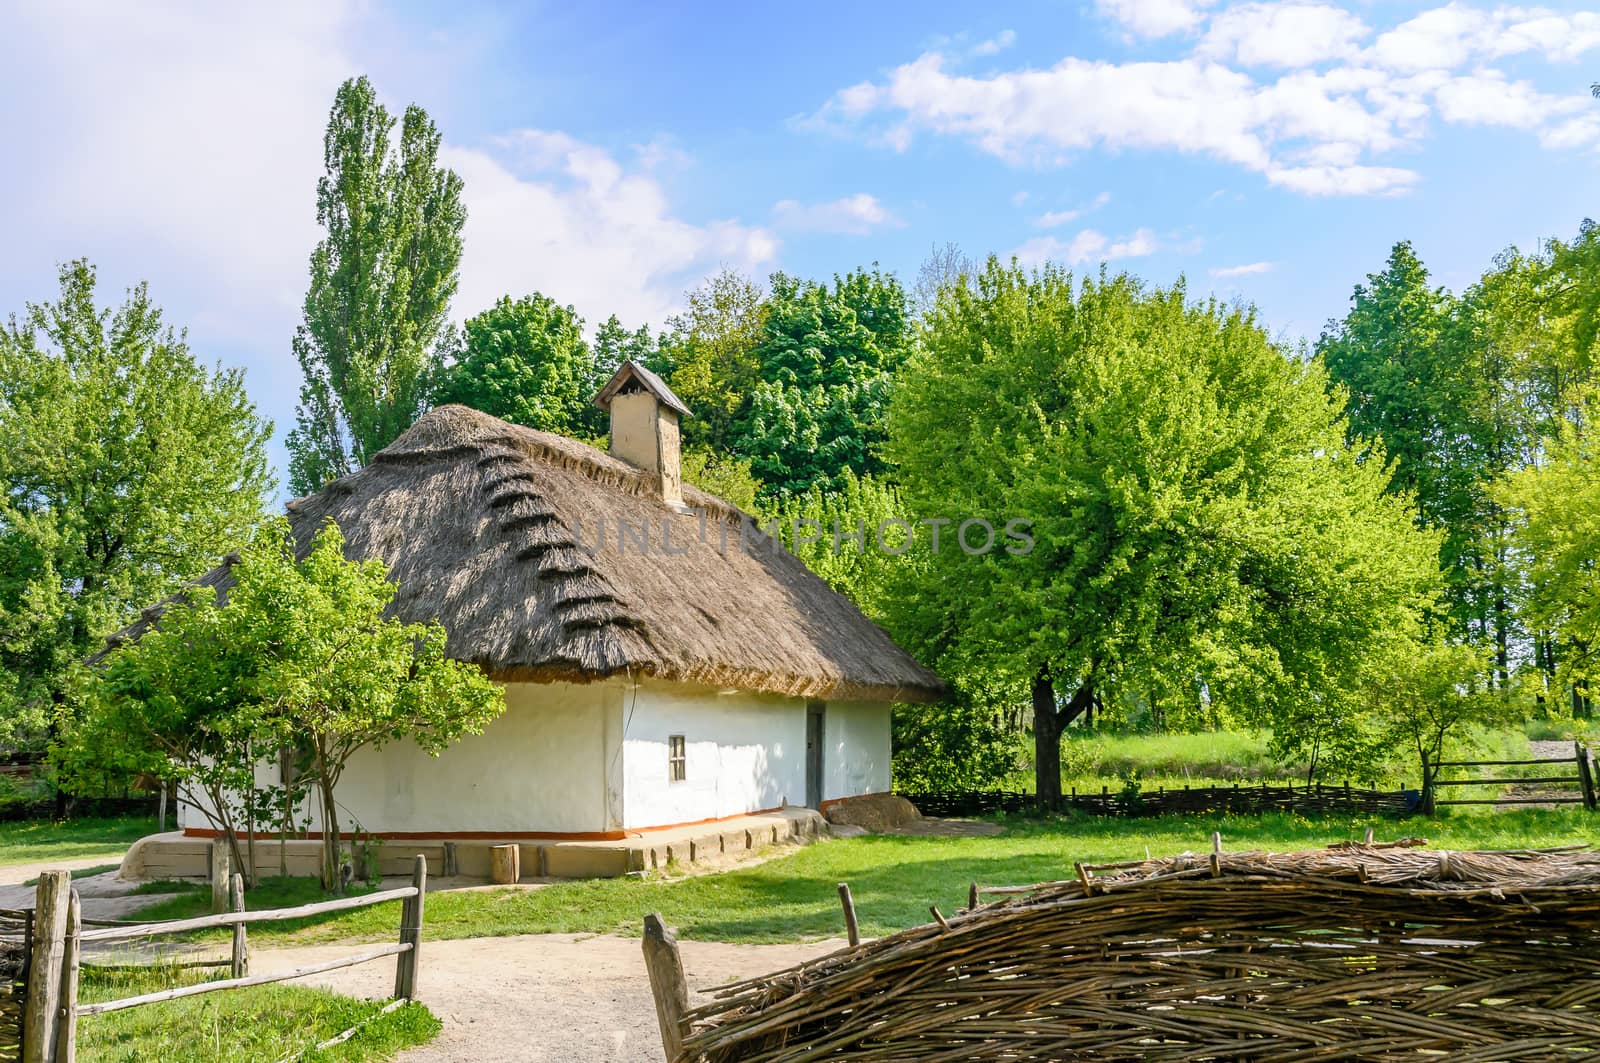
1355, 952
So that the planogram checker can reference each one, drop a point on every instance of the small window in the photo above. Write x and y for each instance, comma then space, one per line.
677, 763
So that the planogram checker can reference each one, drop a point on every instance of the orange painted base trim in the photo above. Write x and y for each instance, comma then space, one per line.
492, 835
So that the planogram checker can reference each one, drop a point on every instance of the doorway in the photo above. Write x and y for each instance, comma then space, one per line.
815, 711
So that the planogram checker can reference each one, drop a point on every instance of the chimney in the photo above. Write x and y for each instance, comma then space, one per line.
644, 426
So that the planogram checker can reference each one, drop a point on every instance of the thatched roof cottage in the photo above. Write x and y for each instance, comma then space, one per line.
663, 663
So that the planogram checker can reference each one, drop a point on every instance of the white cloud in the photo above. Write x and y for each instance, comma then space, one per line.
1154, 18
1089, 245
996, 44
855, 215
551, 213
1245, 270
1054, 219
1282, 34
1319, 128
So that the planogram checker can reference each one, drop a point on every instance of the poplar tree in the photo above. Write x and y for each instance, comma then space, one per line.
375, 325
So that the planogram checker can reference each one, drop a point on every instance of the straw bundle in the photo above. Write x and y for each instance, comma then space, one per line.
1356, 952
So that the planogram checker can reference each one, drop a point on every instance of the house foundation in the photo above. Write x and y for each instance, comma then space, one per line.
178, 854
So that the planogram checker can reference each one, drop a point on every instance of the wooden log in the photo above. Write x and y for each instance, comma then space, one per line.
851, 930
972, 897
270, 915
239, 983
219, 875
407, 968
1585, 775
239, 965
52, 900
505, 864
67, 1014
667, 985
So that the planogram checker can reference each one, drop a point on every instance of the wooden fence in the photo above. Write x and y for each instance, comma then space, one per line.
1583, 776
1316, 799
56, 961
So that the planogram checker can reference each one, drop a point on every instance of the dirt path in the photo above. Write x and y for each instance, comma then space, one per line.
548, 998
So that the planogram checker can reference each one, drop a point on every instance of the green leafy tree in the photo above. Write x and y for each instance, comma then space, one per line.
708, 355
827, 358
526, 361
1191, 501
342, 675
723, 475
128, 468
182, 704
1559, 505
375, 320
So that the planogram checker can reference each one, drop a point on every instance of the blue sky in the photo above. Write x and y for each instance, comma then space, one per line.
614, 154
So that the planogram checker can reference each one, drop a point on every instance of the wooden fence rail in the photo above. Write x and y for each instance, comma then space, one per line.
56, 957
1584, 776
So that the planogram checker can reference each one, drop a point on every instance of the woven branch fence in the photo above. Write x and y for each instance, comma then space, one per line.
1359, 952
1308, 800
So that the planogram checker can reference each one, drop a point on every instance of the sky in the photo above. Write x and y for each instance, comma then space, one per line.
616, 154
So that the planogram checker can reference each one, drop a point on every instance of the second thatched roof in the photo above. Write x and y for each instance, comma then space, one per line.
527, 547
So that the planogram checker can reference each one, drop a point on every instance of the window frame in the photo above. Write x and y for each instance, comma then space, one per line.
677, 759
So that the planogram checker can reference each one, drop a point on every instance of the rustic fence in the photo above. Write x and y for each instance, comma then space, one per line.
56, 957
16, 939
1315, 799
1583, 777
1360, 951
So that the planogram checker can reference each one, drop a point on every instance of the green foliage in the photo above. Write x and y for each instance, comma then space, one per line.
129, 468
301, 658
38, 840
1559, 502
836, 533
726, 476
526, 361
1199, 521
375, 320
826, 360
709, 358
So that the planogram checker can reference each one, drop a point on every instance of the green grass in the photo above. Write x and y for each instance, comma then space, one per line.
893, 879
253, 1025
35, 840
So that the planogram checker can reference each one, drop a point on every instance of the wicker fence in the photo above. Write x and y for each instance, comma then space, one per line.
1357, 952
15, 938
1311, 800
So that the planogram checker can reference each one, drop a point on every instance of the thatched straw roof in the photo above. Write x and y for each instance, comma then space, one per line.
493, 530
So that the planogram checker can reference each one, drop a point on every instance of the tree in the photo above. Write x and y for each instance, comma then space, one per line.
526, 361
128, 469
375, 319
1559, 505
1192, 504
944, 266
709, 356
338, 673
827, 357
182, 704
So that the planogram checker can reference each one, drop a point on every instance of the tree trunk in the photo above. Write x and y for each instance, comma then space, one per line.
1046, 743
331, 879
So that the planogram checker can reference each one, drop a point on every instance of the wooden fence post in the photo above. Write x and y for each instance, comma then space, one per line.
52, 898
667, 984
219, 875
851, 930
241, 945
67, 1013
1585, 775
409, 963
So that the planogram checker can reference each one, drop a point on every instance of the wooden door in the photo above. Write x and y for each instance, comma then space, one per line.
814, 735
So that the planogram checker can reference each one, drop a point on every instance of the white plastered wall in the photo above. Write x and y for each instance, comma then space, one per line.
856, 749
744, 752
551, 762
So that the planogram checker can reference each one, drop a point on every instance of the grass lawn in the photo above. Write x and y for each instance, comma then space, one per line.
34, 840
255, 1025
893, 879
